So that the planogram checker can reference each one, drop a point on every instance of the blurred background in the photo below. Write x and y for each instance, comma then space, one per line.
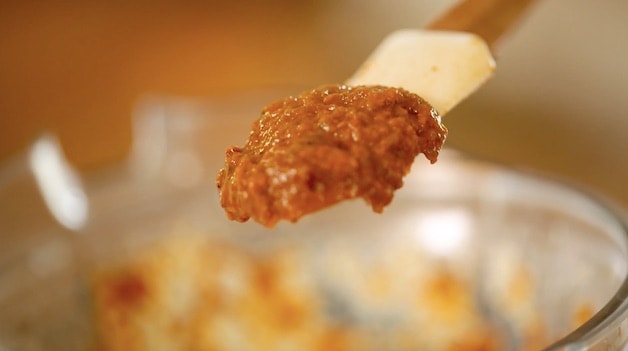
557, 104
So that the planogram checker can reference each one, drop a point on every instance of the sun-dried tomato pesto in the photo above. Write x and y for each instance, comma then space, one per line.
326, 145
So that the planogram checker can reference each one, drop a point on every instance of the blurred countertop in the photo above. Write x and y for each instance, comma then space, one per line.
557, 104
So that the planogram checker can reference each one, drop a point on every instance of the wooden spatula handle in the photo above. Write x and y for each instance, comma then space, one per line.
490, 19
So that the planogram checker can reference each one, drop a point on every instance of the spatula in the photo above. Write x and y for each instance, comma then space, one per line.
309, 152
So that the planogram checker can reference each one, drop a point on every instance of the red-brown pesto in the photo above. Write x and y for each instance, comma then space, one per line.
326, 145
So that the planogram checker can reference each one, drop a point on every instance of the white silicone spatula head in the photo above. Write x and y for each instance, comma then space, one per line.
450, 59
441, 67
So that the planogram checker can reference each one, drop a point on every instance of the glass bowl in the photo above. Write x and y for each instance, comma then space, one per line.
469, 256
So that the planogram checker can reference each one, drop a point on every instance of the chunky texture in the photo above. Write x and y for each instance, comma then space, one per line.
333, 143
188, 292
